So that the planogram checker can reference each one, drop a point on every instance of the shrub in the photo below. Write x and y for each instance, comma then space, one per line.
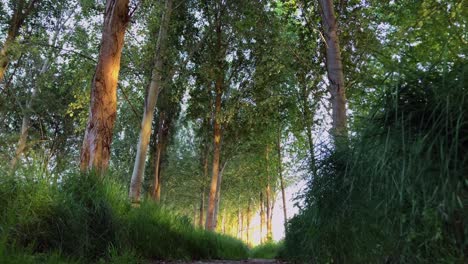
397, 193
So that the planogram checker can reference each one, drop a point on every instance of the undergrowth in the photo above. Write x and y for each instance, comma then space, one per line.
85, 218
398, 192
269, 250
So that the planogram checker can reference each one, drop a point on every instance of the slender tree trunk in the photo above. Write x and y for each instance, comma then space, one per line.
218, 195
223, 222
248, 222
308, 118
335, 71
205, 174
268, 213
268, 196
150, 103
280, 172
270, 221
217, 131
202, 207
20, 13
262, 219
239, 223
26, 122
194, 215
155, 194
95, 152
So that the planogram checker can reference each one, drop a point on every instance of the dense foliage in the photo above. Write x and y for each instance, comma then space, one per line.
218, 109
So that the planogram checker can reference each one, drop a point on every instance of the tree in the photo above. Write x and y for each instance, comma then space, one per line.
150, 103
21, 11
335, 71
58, 28
95, 151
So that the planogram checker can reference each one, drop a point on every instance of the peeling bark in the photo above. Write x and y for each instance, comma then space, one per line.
95, 152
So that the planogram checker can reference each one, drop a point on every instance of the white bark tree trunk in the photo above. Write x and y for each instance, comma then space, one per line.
150, 103
335, 71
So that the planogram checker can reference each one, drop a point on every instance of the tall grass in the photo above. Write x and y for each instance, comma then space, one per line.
269, 250
84, 218
398, 194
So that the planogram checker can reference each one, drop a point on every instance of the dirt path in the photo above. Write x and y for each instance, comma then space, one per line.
247, 261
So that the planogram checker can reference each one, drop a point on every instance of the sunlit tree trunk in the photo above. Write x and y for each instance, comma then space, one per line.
239, 223
335, 71
95, 152
248, 223
150, 103
280, 172
268, 196
217, 131
262, 218
224, 221
22, 10
218, 195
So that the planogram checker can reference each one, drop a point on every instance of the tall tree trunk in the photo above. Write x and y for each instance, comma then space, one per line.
335, 71
268, 196
150, 103
262, 218
223, 222
20, 13
218, 195
280, 172
308, 120
248, 223
202, 207
156, 194
268, 213
205, 175
217, 130
95, 152
239, 223
26, 122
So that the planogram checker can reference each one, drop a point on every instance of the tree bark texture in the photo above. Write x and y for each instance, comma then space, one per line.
217, 131
335, 71
150, 103
95, 152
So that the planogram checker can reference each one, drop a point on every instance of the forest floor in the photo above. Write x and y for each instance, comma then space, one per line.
247, 261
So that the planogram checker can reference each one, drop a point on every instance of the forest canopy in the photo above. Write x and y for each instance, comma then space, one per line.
178, 129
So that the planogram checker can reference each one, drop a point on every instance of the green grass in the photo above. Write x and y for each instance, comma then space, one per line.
268, 250
398, 193
86, 219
